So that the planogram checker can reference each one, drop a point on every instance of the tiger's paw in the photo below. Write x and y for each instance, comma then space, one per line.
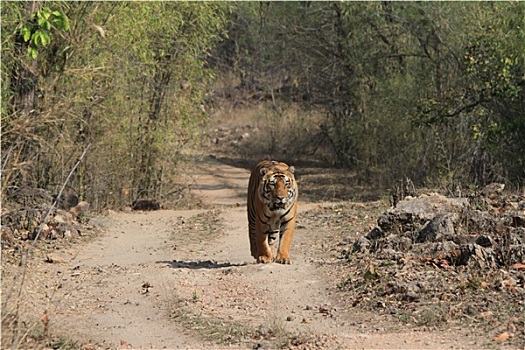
264, 259
285, 261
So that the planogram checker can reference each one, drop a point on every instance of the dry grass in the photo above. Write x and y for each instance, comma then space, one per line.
269, 335
283, 132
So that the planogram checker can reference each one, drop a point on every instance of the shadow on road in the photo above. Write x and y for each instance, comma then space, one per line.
204, 264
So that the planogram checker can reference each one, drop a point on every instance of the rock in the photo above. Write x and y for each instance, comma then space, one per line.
71, 233
45, 228
447, 248
7, 236
263, 331
502, 337
61, 217
390, 254
515, 252
396, 222
361, 245
441, 250
66, 202
518, 221
395, 242
54, 259
440, 228
493, 189
67, 230
426, 207
507, 283
375, 233
345, 241
145, 204
80, 208
477, 256
480, 221
484, 241
412, 213
412, 292
45, 233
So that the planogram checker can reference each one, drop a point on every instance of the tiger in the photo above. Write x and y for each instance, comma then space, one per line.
272, 209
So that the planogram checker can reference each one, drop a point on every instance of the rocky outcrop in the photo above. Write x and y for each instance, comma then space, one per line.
485, 231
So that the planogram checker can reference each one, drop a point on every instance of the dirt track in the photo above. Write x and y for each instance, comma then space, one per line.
155, 280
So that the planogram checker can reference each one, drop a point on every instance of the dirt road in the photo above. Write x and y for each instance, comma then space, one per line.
183, 279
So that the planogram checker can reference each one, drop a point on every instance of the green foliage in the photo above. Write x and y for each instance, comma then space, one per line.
167, 60
37, 31
495, 59
430, 90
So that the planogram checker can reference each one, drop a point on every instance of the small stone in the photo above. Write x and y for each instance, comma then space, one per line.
484, 241
375, 233
362, 245
54, 259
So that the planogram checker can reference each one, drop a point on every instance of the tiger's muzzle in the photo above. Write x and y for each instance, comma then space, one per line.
279, 203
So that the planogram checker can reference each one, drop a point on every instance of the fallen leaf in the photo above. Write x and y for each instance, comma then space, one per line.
518, 266
45, 321
509, 283
442, 263
371, 273
101, 31
502, 337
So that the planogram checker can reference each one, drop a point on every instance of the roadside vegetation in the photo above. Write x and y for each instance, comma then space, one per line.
429, 91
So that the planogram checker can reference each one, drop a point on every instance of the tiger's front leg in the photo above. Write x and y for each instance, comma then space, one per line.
263, 248
283, 255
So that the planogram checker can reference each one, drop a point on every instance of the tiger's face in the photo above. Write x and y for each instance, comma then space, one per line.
277, 187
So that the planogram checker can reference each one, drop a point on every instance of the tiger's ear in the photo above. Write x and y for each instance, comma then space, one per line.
263, 171
291, 169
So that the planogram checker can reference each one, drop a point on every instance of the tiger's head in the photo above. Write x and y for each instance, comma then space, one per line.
277, 188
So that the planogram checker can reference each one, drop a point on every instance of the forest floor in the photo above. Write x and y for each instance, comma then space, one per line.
184, 279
